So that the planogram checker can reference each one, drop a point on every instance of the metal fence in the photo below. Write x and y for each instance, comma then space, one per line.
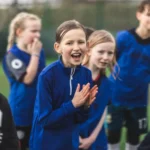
112, 15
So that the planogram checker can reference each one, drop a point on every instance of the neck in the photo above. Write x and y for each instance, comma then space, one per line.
95, 71
142, 32
22, 47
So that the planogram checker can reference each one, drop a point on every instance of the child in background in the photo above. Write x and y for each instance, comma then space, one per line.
129, 96
8, 134
101, 54
89, 31
64, 95
22, 64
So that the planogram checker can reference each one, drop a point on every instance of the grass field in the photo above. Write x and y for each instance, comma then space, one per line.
4, 88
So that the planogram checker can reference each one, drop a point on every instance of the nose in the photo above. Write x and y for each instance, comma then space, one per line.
76, 46
38, 34
105, 56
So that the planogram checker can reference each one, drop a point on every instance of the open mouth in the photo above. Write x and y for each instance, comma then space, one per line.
103, 63
76, 55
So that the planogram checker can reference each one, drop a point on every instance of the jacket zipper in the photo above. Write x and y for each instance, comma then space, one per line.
71, 78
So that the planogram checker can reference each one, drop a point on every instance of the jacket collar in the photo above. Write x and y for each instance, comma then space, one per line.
67, 69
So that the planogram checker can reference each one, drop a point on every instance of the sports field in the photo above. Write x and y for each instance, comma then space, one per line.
4, 88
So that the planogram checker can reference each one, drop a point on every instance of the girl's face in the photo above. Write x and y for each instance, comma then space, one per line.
31, 31
72, 47
101, 55
144, 18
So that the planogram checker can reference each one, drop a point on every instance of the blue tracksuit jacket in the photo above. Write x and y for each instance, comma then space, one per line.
21, 96
130, 89
102, 99
56, 121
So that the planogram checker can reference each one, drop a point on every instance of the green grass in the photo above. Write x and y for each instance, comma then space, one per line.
4, 88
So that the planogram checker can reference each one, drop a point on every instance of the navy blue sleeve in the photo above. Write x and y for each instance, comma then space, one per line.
16, 67
47, 115
120, 43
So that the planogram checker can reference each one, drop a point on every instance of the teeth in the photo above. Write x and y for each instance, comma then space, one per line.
76, 54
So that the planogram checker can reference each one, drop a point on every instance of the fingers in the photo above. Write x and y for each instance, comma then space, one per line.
80, 139
92, 100
94, 91
85, 89
92, 97
94, 88
82, 146
78, 88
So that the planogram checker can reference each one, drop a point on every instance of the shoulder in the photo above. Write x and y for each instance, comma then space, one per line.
85, 69
86, 73
13, 57
15, 61
105, 80
123, 34
50, 69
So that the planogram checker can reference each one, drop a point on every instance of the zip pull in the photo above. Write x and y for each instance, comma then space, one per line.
71, 78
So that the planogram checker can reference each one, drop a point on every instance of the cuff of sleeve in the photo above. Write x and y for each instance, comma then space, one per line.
85, 109
69, 108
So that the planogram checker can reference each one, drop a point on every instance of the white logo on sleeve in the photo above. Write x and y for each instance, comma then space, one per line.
16, 64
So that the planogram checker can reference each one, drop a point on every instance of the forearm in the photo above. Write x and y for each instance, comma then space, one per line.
98, 128
31, 70
56, 117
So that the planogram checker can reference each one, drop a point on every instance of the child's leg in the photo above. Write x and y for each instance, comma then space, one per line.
136, 123
115, 119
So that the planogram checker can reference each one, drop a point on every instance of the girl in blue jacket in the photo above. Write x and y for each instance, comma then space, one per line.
101, 55
64, 93
22, 64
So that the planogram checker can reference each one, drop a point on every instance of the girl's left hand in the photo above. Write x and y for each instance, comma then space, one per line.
85, 143
93, 93
92, 96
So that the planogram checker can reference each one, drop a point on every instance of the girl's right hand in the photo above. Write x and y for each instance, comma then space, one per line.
80, 97
35, 47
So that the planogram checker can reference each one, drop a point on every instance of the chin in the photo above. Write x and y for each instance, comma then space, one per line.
101, 67
76, 63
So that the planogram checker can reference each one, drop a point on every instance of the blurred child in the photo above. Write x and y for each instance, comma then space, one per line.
22, 64
129, 98
8, 134
64, 94
89, 31
101, 54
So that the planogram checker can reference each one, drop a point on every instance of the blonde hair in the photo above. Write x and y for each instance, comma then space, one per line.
98, 37
18, 22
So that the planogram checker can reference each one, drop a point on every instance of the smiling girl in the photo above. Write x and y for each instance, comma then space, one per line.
64, 95
101, 55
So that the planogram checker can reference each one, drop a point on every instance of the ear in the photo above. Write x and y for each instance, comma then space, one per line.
88, 49
138, 15
18, 32
57, 48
